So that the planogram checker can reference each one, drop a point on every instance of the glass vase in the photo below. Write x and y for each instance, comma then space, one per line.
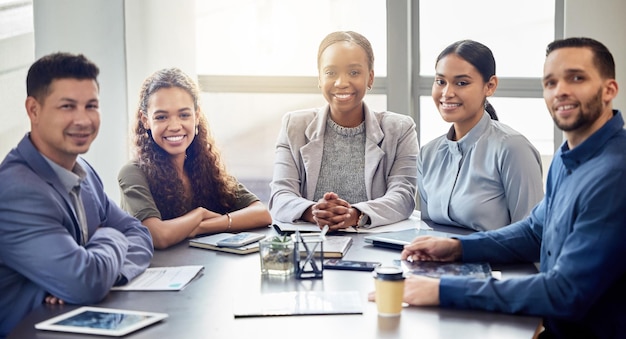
277, 255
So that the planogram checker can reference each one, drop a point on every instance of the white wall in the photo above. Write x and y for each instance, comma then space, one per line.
94, 28
159, 34
16, 55
602, 20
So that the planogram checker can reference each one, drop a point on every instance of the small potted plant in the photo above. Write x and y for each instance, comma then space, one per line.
277, 255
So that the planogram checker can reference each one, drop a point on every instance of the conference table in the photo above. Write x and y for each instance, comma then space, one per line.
204, 308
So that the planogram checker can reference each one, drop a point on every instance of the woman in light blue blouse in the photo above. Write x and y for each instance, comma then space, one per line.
482, 174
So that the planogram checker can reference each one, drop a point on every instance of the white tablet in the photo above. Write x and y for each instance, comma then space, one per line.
101, 321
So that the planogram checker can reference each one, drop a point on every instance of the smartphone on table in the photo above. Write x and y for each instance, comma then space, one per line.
350, 265
240, 239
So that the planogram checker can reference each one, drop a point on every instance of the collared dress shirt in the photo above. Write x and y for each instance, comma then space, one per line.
577, 232
71, 181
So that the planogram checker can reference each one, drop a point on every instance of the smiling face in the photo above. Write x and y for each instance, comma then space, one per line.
344, 76
575, 93
459, 92
67, 120
172, 119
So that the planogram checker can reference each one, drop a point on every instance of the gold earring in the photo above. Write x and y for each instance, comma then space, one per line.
196, 130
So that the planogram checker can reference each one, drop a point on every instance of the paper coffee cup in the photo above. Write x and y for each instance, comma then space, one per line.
389, 284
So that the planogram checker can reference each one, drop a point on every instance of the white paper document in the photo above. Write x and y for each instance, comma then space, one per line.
297, 303
162, 279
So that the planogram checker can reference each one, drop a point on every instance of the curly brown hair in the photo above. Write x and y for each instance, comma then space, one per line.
212, 187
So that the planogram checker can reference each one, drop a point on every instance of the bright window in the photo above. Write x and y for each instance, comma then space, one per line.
250, 43
16, 18
272, 38
516, 33
281, 37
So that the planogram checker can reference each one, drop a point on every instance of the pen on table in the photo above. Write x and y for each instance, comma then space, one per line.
323, 233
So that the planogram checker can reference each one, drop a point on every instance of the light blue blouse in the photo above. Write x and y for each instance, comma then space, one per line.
490, 178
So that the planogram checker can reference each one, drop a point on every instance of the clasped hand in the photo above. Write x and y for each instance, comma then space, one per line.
334, 212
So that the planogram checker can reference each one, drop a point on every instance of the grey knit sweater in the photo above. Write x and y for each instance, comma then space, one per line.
343, 161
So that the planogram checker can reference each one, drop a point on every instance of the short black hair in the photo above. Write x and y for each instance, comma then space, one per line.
58, 65
602, 57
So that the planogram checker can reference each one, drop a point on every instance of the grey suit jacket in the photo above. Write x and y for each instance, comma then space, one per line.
391, 151
40, 251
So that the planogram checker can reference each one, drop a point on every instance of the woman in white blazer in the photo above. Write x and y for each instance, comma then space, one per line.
344, 165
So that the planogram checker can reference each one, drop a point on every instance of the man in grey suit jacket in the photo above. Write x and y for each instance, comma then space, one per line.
61, 238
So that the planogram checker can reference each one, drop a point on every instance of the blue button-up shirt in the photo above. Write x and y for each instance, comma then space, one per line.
577, 231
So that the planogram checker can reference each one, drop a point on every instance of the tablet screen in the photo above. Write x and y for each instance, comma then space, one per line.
102, 321
436, 269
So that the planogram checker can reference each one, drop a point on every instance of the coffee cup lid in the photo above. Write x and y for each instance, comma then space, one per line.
388, 273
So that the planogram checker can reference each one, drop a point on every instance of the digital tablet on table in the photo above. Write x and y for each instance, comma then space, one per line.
100, 321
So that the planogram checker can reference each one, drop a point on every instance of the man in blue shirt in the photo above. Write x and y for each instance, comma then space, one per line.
61, 238
577, 231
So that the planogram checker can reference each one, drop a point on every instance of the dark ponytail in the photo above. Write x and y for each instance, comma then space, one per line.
490, 110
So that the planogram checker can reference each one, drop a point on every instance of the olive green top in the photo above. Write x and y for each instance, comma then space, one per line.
137, 200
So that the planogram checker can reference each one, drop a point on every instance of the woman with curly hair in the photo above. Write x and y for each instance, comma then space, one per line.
176, 184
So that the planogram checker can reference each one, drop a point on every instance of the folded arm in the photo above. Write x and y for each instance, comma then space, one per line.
35, 243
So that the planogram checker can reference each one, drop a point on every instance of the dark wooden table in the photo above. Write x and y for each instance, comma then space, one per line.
204, 309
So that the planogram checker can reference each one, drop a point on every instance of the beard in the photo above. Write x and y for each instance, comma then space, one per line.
589, 113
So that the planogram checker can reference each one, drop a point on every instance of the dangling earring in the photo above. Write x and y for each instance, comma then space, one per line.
196, 130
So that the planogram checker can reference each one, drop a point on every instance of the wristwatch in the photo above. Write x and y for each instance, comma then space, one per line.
363, 220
